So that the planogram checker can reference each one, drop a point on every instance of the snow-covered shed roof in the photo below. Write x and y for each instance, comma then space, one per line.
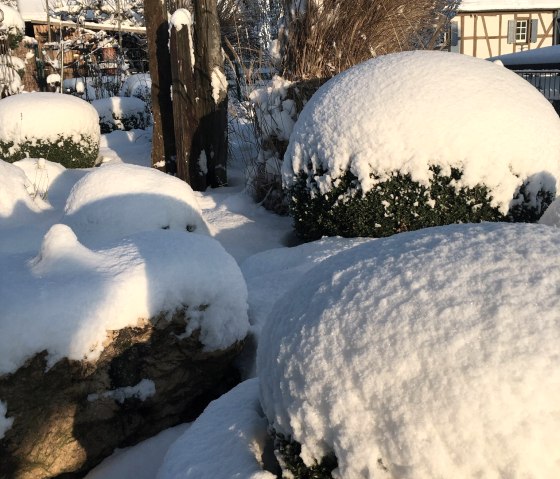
32, 9
545, 57
493, 5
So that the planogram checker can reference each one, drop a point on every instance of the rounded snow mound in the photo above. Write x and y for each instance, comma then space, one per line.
407, 112
46, 116
226, 441
138, 85
120, 199
427, 354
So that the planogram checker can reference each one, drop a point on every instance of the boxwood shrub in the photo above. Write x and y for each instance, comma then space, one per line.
288, 454
399, 204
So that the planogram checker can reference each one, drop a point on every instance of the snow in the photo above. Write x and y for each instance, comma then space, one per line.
141, 461
219, 85
138, 85
69, 296
551, 216
226, 441
12, 19
406, 111
113, 110
143, 390
538, 56
497, 5
119, 199
5, 422
427, 354
46, 116
184, 18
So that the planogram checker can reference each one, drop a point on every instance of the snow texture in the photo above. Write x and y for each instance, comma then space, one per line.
5, 422
141, 461
117, 200
143, 390
226, 441
430, 354
69, 296
407, 111
507, 5
219, 85
46, 116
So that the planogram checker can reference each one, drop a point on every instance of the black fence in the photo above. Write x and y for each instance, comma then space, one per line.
546, 81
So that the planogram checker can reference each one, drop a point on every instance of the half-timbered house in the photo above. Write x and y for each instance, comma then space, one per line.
487, 28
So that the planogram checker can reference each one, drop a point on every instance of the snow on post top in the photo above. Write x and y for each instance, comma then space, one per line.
405, 112
426, 354
46, 116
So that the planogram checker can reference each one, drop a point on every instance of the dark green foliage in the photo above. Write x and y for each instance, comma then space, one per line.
140, 119
288, 452
64, 150
397, 204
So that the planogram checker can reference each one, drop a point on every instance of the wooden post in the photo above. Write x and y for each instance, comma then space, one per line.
163, 142
200, 99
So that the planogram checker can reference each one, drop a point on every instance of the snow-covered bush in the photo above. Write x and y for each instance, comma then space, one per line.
13, 24
418, 139
423, 355
120, 199
122, 113
138, 85
59, 128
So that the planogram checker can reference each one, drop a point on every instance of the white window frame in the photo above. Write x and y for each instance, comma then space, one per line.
522, 30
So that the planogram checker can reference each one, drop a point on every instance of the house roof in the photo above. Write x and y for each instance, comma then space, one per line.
494, 5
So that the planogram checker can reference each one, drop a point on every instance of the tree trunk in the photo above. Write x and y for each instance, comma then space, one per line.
163, 143
200, 99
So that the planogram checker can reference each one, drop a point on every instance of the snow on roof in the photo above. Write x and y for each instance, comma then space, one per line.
33, 9
539, 56
407, 111
426, 354
493, 5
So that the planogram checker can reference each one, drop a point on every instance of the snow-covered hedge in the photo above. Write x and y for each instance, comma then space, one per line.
59, 128
122, 113
427, 354
138, 85
418, 139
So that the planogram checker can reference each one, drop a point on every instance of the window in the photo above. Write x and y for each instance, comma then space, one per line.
521, 30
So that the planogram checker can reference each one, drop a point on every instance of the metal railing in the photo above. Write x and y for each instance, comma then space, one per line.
546, 81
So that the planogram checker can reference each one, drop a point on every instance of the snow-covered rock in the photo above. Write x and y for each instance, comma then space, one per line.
100, 348
227, 440
407, 112
426, 354
115, 200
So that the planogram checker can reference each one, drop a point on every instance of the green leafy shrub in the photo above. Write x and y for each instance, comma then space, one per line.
400, 204
64, 150
288, 454
122, 113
